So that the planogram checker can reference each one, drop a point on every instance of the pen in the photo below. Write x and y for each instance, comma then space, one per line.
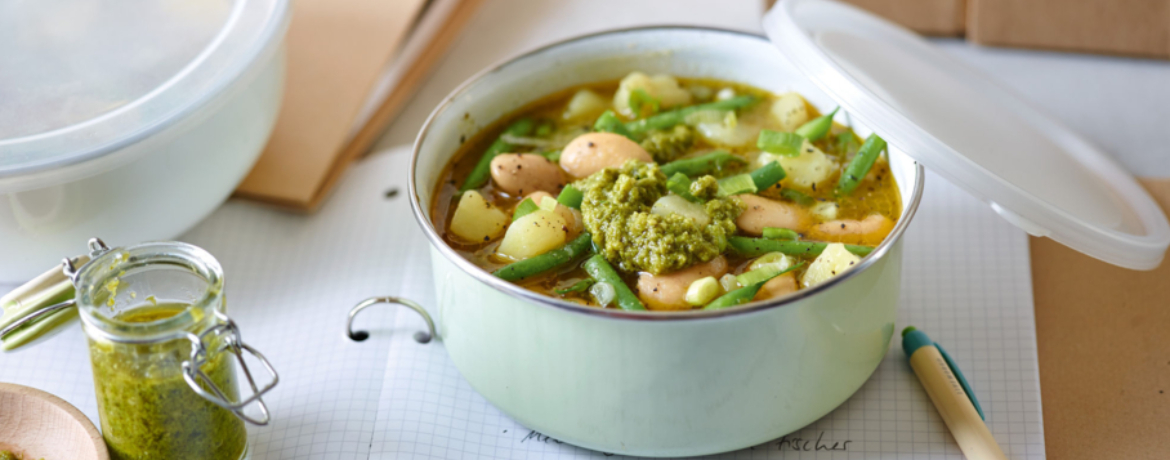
951, 395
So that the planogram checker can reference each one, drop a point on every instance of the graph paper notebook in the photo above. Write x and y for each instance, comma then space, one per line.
291, 280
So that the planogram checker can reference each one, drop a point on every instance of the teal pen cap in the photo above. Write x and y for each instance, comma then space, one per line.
913, 339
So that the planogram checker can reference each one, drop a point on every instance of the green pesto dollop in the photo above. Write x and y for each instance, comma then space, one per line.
616, 210
669, 145
705, 188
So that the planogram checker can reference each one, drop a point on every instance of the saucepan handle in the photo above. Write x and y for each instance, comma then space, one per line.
358, 336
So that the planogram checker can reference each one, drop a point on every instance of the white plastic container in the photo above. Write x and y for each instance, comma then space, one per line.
131, 120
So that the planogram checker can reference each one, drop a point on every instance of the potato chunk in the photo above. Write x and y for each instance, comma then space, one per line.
812, 168
585, 105
665, 88
476, 220
833, 261
790, 111
532, 235
730, 135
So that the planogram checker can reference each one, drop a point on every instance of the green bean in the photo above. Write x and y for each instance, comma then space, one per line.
601, 271
774, 233
739, 296
571, 196
552, 155
544, 128
768, 175
548, 261
678, 116
479, 175
817, 128
608, 122
797, 197
860, 165
845, 143
576, 287
754, 247
639, 98
700, 165
681, 186
525, 208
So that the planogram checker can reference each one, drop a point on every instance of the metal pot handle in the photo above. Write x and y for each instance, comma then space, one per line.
358, 336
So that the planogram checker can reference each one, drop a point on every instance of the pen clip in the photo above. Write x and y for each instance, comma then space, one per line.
962, 380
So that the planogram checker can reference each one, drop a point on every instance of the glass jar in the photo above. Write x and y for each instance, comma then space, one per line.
164, 353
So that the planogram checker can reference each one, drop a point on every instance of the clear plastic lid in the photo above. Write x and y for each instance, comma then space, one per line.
80, 78
1033, 171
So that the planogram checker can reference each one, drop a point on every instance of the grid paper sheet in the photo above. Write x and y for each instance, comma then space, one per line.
966, 282
290, 281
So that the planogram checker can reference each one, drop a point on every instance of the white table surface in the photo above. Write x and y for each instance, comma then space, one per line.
1121, 104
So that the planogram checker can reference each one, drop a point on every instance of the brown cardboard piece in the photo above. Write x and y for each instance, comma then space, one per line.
929, 17
337, 50
1103, 339
1130, 27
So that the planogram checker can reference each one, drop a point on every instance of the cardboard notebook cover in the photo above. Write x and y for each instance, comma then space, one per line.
1103, 340
1130, 27
928, 17
337, 51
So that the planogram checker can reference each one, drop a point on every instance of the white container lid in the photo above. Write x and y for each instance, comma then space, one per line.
79, 78
1039, 175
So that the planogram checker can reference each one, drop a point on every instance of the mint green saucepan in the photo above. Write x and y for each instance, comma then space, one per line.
644, 383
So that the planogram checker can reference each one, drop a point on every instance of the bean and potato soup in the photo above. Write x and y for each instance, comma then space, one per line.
664, 193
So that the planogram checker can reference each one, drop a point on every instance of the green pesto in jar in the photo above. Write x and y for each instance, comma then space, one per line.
616, 210
147, 409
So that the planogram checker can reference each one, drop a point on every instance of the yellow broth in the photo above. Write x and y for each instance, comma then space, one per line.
877, 192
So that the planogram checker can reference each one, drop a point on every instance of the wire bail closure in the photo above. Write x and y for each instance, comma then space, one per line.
194, 375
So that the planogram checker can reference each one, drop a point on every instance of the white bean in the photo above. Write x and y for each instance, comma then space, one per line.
762, 212
669, 291
518, 174
869, 231
592, 152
